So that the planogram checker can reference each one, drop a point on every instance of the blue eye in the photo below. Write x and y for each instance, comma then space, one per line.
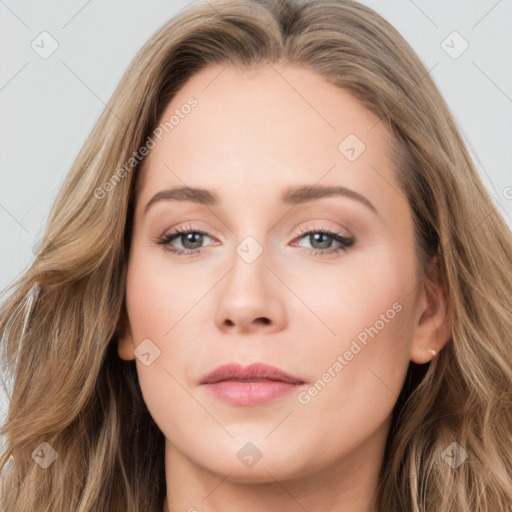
192, 239
184, 235
321, 241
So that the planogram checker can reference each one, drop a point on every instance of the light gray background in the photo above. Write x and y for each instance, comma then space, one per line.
48, 106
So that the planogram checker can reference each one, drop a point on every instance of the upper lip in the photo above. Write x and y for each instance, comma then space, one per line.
235, 371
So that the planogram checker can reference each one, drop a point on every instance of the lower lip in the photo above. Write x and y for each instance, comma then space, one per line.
250, 393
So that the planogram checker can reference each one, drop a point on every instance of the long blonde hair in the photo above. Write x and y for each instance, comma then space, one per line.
71, 389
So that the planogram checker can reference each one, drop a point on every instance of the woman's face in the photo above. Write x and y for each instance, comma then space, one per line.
257, 281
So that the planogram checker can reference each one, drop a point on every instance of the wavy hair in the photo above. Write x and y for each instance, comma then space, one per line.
70, 389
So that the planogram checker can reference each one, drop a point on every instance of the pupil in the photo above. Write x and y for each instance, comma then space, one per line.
320, 238
316, 236
193, 241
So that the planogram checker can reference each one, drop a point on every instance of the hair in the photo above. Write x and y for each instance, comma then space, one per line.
70, 388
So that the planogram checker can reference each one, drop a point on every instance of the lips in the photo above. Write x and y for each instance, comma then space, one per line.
255, 384
254, 372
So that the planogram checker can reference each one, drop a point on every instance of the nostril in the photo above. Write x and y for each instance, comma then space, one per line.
262, 319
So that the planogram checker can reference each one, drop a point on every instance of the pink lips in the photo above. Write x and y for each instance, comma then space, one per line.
250, 385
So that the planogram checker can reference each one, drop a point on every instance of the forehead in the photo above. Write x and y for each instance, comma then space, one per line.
266, 128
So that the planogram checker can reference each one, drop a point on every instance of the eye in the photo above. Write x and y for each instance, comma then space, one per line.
191, 239
321, 241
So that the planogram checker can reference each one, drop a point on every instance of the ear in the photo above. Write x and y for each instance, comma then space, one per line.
432, 326
125, 345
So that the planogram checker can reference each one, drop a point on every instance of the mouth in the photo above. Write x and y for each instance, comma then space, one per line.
251, 385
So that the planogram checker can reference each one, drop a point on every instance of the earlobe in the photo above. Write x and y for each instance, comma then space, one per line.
125, 346
432, 330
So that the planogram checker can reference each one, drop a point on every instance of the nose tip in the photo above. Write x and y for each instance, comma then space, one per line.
247, 299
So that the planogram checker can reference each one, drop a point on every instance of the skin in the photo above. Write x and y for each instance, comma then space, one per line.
253, 134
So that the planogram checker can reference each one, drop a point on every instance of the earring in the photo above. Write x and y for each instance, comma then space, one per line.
432, 351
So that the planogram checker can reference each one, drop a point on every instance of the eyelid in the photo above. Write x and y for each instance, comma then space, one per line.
196, 228
322, 226
318, 226
346, 241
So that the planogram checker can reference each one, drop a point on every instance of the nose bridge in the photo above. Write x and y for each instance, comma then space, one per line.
251, 249
249, 260
249, 296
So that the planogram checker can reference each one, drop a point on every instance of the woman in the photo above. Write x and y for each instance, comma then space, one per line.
273, 280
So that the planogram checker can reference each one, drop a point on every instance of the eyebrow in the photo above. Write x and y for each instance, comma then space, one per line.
293, 196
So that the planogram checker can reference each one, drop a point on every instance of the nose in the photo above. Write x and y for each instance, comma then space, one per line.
250, 298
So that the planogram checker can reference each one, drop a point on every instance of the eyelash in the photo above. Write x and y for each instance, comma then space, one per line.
166, 239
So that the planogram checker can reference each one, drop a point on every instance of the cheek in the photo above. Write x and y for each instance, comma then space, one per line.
363, 357
365, 297
359, 375
157, 308
168, 307
155, 300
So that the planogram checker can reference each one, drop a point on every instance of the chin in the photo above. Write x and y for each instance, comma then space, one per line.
260, 473
243, 464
